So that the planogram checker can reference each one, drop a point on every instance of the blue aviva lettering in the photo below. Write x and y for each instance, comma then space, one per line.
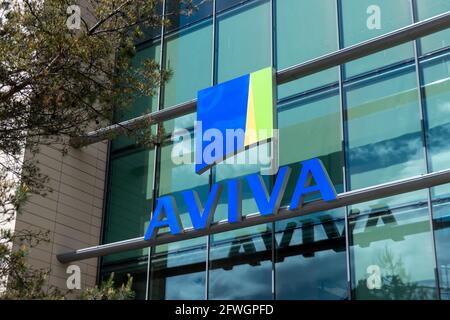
166, 212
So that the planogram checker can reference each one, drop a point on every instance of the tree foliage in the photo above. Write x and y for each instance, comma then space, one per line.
18, 279
58, 82
108, 291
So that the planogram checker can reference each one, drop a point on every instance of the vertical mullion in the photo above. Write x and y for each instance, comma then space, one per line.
211, 171
344, 138
157, 148
272, 60
106, 189
419, 82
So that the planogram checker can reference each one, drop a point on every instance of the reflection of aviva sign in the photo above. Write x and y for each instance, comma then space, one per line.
244, 104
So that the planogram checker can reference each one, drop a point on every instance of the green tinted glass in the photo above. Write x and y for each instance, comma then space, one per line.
391, 250
366, 19
436, 92
136, 269
241, 257
185, 13
178, 271
240, 264
243, 44
188, 56
441, 223
180, 264
129, 201
142, 104
308, 22
384, 132
311, 128
177, 173
237, 167
313, 245
427, 9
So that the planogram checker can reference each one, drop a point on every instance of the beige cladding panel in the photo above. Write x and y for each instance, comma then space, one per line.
72, 212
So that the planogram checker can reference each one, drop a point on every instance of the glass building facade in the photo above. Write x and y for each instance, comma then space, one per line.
378, 119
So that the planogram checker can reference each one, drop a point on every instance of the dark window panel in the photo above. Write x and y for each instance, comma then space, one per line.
310, 257
180, 14
129, 200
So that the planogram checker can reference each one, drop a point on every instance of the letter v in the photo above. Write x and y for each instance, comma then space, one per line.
201, 218
259, 191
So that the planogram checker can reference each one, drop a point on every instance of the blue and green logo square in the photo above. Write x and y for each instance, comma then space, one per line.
233, 116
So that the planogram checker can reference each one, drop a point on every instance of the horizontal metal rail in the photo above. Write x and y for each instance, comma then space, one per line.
343, 199
386, 41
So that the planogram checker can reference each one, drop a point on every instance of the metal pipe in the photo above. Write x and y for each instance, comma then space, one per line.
343, 199
386, 41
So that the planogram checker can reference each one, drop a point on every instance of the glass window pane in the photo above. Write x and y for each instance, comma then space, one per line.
358, 25
313, 245
441, 223
310, 127
240, 265
312, 82
181, 123
243, 40
188, 56
141, 104
384, 132
151, 32
177, 174
183, 13
237, 167
178, 271
391, 250
136, 269
243, 46
436, 91
129, 200
222, 5
427, 9
180, 264
314, 22
176, 177
241, 258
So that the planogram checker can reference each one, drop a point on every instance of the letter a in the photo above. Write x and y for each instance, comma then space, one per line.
165, 206
312, 169
374, 20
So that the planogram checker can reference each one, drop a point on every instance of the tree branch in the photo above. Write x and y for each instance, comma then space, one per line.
109, 16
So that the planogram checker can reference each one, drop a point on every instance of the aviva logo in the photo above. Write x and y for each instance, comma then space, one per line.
233, 116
